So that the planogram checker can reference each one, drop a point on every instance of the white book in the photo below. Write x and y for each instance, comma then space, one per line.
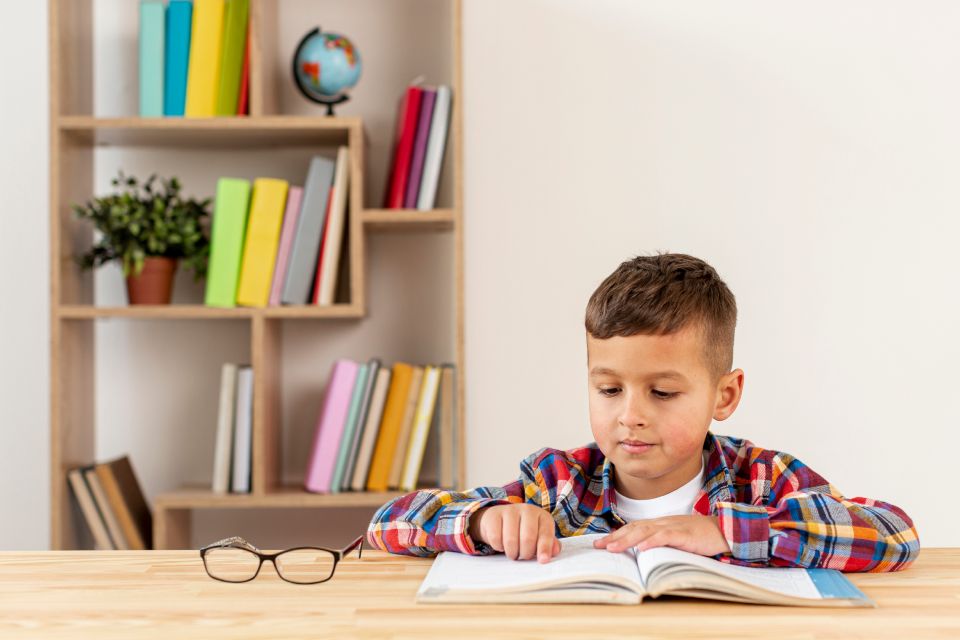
580, 574
423, 418
225, 420
336, 221
371, 429
243, 432
436, 144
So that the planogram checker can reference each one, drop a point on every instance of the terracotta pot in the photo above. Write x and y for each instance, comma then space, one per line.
154, 284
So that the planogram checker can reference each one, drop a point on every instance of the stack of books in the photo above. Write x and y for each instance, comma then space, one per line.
233, 448
421, 135
385, 428
194, 58
276, 244
113, 505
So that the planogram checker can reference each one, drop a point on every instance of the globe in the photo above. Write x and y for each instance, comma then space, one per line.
325, 66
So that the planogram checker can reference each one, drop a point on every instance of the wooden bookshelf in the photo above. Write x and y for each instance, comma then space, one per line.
76, 133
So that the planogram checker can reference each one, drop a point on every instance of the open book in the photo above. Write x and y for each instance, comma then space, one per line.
582, 574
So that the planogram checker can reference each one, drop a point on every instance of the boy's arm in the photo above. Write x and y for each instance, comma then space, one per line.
803, 521
425, 522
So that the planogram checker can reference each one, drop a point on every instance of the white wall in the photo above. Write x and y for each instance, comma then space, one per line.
806, 151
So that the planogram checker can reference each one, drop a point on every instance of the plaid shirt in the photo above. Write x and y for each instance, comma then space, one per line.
773, 510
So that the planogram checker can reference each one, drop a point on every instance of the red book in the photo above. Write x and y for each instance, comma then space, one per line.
244, 80
315, 296
403, 147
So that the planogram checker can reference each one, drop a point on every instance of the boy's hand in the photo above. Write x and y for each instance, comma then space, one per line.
520, 531
695, 533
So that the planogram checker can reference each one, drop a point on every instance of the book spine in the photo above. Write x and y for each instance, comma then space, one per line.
330, 425
424, 123
232, 56
404, 148
349, 428
290, 217
263, 236
333, 242
403, 440
421, 429
206, 39
225, 420
396, 402
433, 162
152, 42
371, 430
306, 240
226, 241
177, 56
243, 432
373, 368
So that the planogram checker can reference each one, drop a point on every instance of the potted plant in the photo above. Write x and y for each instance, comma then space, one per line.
148, 227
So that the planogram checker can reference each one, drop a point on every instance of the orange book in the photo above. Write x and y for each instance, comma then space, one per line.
406, 427
127, 502
393, 414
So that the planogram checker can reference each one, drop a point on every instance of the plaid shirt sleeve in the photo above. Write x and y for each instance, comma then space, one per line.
795, 518
425, 522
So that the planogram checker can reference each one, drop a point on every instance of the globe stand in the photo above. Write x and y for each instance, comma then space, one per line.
329, 101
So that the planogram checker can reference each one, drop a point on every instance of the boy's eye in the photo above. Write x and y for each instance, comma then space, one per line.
663, 394
609, 392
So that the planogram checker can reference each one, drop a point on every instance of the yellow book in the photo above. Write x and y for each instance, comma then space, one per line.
203, 71
406, 426
263, 236
393, 412
422, 421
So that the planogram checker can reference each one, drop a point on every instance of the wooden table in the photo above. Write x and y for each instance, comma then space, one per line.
166, 594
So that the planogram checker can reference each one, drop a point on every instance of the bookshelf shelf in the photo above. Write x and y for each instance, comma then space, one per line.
272, 137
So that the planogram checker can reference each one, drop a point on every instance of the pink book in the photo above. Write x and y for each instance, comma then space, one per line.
294, 197
420, 147
333, 416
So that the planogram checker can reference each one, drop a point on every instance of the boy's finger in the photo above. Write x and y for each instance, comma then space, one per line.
528, 536
511, 533
492, 530
546, 545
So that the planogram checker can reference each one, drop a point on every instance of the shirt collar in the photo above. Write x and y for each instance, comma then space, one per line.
717, 484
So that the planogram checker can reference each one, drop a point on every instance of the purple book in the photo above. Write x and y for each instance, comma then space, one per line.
329, 430
420, 147
294, 196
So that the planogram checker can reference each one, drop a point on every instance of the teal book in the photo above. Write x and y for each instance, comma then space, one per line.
179, 23
349, 427
226, 241
231, 56
152, 27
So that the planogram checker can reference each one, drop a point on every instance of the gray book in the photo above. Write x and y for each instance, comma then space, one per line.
302, 266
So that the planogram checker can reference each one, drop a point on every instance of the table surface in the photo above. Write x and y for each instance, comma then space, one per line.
147, 594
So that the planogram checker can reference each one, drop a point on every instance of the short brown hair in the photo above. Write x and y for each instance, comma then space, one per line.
662, 294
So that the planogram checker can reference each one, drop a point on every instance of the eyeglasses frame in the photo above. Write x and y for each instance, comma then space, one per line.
237, 542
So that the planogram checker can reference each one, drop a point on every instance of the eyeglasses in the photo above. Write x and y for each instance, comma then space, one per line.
236, 560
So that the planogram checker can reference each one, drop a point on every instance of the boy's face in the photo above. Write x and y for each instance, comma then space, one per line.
652, 399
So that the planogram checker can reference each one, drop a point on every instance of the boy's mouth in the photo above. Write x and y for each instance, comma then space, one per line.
635, 446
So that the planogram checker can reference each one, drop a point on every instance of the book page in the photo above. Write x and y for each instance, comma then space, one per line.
577, 559
787, 581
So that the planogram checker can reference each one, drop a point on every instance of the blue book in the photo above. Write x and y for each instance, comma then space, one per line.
151, 58
179, 23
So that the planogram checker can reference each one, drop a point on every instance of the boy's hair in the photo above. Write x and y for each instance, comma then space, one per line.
662, 294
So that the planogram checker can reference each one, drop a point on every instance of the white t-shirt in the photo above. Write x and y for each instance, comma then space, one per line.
678, 502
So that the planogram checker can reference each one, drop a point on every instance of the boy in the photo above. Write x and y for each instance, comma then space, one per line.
660, 332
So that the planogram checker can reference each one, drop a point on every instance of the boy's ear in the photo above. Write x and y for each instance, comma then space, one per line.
729, 392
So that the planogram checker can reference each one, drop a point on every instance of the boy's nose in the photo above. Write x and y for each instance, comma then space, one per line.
634, 413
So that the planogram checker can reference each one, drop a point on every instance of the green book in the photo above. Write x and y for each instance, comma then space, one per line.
231, 57
226, 241
152, 23
349, 427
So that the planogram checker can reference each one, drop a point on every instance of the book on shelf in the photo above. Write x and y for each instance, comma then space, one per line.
243, 99
406, 425
112, 504
176, 56
422, 421
263, 235
447, 434
421, 128
89, 508
371, 429
583, 574
151, 56
349, 427
232, 51
226, 419
297, 285
351, 449
241, 458
206, 40
330, 424
227, 238
329, 258
290, 216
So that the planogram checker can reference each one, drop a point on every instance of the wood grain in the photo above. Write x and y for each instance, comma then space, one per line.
166, 594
